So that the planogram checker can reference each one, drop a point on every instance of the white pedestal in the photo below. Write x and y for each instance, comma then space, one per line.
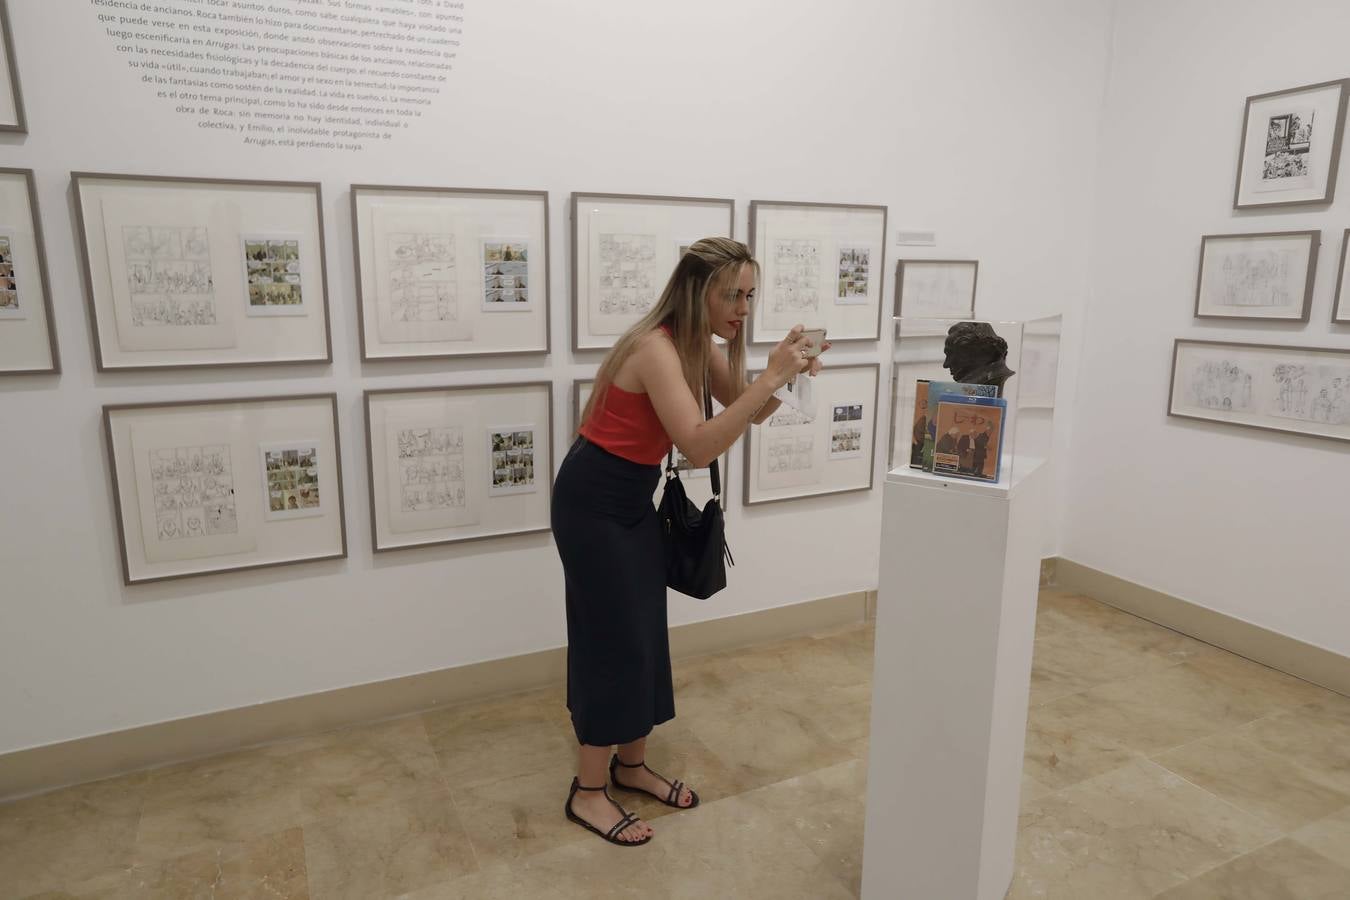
956, 617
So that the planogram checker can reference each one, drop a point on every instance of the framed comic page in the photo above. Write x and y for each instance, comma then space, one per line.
224, 485
822, 267
1340, 312
451, 464
12, 117
624, 249
196, 272
1291, 146
794, 455
936, 288
443, 272
1257, 276
27, 329
1300, 390
697, 482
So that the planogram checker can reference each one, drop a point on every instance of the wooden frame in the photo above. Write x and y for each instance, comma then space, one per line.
43, 273
423, 191
1341, 353
20, 125
578, 197
756, 205
747, 460
110, 409
1336, 309
1338, 128
1314, 238
545, 474
78, 178
900, 279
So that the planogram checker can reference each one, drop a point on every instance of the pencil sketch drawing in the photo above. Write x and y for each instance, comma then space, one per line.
1258, 278
796, 276
938, 290
628, 279
1220, 384
1311, 393
431, 469
193, 490
422, 285
789, 453
169, 276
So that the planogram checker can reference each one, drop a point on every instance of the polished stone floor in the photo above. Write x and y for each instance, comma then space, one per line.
1156, 766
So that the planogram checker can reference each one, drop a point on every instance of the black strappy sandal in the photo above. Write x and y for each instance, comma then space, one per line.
613, 834
671, 799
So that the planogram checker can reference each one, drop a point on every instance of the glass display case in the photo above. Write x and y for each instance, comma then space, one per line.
989, 416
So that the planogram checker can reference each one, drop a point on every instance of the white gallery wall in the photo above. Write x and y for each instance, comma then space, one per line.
1248, 523
976, 119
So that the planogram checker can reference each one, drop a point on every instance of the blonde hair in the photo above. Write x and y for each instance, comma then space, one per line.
708, 264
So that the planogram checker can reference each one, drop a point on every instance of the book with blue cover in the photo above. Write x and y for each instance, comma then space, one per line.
924, 434
968, 435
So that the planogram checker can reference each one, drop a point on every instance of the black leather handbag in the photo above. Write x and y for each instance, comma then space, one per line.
696, 546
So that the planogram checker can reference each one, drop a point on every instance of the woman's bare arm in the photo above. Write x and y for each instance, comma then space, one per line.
722, 381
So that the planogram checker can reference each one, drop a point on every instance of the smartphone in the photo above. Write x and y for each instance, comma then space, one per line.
817, 338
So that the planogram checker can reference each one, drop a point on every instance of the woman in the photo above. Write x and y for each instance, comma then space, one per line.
647, 396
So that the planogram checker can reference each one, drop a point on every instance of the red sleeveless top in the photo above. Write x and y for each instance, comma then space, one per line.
626, 425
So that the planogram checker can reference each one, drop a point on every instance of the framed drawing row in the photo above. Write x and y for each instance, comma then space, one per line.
1265, 275
231, 484
196, 272
27, 329
1300, 390
822, 266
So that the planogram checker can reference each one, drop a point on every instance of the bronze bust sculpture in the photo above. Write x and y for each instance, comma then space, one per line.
975, 354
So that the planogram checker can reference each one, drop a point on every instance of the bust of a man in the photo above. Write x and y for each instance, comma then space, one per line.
975, 354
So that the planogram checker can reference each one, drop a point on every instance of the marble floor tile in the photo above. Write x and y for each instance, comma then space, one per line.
514, 818
1159, 710
1066, 612
387, 850
1128, 834
735, 848
1060, 752
490, 740
1329, 837
1316, 736
69, 835
1268, 689
768, 739
1265, 784
228, 800
1283, 870
1069, 663
826, 811
271, 866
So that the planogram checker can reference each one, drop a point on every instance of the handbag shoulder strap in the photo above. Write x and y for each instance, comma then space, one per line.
713, 468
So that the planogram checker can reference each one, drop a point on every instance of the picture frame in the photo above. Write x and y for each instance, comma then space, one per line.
801, 456
431, 455
697, 482
12, 117
1291, 146
624, 250
28, 344
818, 269
439, 273
167, 283
936, 288
1264, 275
1268, 387
191, 484
1340, 309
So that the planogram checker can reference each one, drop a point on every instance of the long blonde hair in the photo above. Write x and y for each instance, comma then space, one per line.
710, 263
